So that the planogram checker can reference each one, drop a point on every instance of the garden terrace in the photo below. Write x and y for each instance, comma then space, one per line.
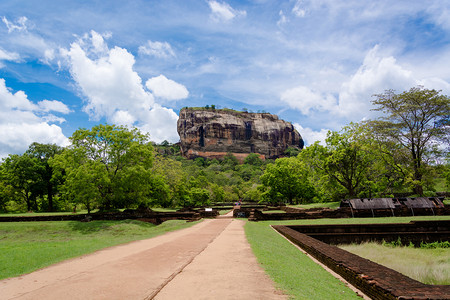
376, 281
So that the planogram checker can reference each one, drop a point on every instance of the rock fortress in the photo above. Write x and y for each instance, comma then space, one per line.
212, 133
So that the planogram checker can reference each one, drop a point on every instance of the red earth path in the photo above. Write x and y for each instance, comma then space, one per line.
210, 260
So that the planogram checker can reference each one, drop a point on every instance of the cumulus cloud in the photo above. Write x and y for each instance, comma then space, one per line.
223, 12
157, 49
166, 89
305, 99
19, 25
310, 136
376, 74
114, 91
53, 105
23, 122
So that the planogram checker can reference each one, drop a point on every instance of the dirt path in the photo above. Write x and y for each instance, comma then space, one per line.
209, 260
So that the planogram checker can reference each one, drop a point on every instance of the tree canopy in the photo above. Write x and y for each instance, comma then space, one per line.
110, 166
113, 167
285, 181
418, 122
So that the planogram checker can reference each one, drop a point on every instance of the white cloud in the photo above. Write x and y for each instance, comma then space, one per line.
123, 117
53, 119
5, 55
162, 87
21, 123
283, 19
298, 10
377, 74
29, 44
113, 90
53, 105
49, 55
20, 24
157, 49
223, 12
98, 43
310, 136
305, 100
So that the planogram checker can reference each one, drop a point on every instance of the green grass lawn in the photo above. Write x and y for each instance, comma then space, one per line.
32, 214
292, 270
274, 212
318, 205
430, 266
28, 246
162, 209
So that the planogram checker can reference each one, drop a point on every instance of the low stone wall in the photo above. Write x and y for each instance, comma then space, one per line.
414, 232
376, 281
152, 217
293, 213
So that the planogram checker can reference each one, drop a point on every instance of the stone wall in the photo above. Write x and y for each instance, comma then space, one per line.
152, 217
376, 281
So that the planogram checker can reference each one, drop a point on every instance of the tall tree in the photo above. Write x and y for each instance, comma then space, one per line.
110, 165
286, 180
20, 172
418, 121
47, 184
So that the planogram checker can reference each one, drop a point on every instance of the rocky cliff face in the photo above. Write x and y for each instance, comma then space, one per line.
214, 133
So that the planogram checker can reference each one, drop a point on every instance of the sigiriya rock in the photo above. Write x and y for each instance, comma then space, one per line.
212, 133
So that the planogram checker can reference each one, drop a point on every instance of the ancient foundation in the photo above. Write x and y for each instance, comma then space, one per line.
376, 281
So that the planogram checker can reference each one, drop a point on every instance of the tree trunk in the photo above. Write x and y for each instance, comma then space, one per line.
418, 187
28, 200
50, 197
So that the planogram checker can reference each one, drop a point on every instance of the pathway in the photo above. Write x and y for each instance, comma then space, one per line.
209, 260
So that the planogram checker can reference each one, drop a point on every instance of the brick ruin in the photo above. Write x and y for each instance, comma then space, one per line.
376, 281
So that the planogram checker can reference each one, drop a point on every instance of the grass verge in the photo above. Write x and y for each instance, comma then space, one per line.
332, 205
430, 266
34, 214
28, 246
292, 270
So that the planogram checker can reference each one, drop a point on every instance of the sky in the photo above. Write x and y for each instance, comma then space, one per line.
66, 65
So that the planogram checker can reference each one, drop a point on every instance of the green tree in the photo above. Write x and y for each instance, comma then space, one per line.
174, 176
347, 162
291, 151
217, 193
351, 164
199, 197
285, 181
417, 120
254, 160
110, 166
47, 183
6, 191
229, 161
20, 173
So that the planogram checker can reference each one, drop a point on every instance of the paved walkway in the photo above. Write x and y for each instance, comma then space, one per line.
211, 260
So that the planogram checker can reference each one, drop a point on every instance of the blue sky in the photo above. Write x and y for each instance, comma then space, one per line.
71, 64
